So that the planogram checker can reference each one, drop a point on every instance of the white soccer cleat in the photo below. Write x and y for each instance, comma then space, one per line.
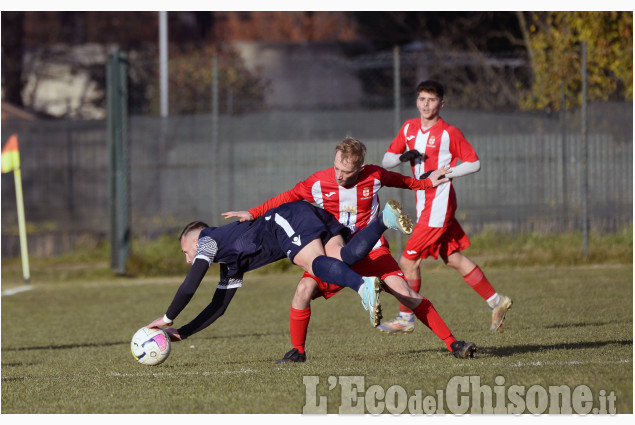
370, 299
398, 324
394, 218
499, 311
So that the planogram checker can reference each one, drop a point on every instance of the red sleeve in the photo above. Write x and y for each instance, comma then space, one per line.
460, 147
392, 179
295, 194
398, 145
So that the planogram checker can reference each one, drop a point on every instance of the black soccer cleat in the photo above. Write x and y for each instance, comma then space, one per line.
463, 350
293, 356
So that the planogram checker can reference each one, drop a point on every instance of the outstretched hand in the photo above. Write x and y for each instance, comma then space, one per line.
173, 334
242, 215
157, 323
437, 176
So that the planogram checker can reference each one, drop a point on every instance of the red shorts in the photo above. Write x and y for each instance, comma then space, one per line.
428, 241
379, 262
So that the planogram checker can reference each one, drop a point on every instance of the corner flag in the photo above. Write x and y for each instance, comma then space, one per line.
10, 155
11, 162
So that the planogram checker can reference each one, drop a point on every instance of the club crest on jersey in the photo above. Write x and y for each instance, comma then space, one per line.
431, 141
366, 191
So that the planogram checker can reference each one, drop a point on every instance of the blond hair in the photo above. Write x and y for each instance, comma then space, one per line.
352, 151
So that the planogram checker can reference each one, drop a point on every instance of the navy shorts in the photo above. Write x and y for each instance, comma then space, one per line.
298, 223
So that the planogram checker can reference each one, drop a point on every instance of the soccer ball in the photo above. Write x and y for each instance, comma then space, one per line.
150, 346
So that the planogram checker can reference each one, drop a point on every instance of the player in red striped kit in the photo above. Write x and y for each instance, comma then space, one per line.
349, 191
430, 143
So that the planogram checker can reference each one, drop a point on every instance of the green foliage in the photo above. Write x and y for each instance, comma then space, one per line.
555, 44
530, 249
163, 257
191, 82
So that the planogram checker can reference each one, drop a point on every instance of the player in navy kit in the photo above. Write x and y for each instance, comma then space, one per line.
303, 233
349, 192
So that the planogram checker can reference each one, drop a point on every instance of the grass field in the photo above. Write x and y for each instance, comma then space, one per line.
65, 345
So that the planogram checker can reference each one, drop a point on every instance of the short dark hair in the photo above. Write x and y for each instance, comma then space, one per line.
431, 86
195, 225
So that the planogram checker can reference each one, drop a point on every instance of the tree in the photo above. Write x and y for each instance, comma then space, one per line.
555, 40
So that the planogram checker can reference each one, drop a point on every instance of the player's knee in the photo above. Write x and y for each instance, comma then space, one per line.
407, 265
305, 290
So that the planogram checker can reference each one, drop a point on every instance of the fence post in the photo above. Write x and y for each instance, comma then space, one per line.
118, 166
563, 124
215, 150
397, 125
585, 157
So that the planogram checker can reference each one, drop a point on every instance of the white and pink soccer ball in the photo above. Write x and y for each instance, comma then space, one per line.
150, 346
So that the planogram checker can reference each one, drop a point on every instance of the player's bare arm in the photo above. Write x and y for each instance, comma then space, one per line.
242, 215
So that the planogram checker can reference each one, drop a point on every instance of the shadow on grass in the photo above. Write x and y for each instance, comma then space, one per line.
534, 348
110, 344
583, 324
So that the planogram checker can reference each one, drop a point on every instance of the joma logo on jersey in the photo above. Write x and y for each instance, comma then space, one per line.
366, 191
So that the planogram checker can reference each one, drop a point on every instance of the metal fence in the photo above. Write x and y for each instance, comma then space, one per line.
196, 166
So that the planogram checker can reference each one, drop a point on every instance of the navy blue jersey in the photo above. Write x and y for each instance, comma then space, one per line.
282, 231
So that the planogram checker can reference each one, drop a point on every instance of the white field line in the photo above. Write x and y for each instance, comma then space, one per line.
243, 371
184, 373
16, 290
568, 363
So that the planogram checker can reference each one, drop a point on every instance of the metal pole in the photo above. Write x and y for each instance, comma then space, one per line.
163, 61
563, 115
215, 150
397, 88
585, 156
397, 123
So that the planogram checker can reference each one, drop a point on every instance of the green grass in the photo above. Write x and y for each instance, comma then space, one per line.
65, 343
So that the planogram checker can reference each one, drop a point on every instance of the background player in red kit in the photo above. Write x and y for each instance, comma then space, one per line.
430, 143
349, 191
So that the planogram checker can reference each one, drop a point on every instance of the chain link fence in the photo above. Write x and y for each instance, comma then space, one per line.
278, 119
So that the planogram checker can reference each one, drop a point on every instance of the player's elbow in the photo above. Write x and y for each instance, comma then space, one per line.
477, 166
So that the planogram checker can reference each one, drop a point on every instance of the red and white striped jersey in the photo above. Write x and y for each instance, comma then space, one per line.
354, 206
443, 145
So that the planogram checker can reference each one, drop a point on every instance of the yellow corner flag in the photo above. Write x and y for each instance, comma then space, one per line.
10, 155
11, 162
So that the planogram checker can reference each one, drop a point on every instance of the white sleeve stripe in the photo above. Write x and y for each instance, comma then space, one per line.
203, 257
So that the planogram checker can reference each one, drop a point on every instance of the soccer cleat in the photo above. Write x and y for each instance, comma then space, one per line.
395, 218
370, 299
398, 324
499, 311
293, 356
462, 349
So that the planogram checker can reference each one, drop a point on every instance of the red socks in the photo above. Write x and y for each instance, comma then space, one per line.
429, 316
477, 280
415, 284
298, 325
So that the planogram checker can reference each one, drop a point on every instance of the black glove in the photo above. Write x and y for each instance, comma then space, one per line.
410, 155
